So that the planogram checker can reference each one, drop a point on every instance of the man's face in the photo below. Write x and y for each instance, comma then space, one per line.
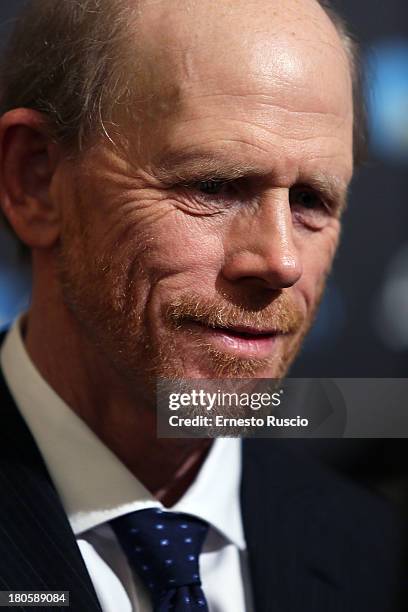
200, 249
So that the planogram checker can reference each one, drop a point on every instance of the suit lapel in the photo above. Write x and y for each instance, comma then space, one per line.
38, 550
290, 541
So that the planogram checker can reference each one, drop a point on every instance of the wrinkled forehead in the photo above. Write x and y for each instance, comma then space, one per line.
237, 47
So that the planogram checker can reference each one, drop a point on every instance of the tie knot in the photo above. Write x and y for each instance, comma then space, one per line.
163, 547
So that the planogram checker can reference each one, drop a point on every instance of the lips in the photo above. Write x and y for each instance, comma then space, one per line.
242, 341
246, 332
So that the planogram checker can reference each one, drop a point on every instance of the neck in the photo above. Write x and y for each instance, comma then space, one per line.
127, 425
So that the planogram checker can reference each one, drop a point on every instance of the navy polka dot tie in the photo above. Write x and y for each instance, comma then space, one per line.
163, 548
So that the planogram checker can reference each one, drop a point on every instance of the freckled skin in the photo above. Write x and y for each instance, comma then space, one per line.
264, 84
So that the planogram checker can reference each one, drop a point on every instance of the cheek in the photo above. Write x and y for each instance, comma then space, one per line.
149, 263
184, 248
316, 252
183, 259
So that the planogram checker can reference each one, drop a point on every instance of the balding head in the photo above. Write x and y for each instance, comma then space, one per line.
85, 63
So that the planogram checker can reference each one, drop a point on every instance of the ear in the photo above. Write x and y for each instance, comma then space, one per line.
28, 162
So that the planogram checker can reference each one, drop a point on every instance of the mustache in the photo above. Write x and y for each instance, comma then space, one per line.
281, 315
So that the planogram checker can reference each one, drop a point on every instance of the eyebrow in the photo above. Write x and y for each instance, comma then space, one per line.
199, 166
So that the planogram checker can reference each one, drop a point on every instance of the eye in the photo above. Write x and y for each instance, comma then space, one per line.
306, 198
210, 187
309, 208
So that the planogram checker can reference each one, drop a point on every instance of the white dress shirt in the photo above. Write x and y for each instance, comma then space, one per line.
95, 487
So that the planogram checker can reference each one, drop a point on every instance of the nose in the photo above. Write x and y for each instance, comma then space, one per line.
260, 246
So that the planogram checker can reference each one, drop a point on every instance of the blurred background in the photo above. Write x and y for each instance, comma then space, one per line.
362, 327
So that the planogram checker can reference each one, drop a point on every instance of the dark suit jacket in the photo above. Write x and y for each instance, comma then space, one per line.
316, 543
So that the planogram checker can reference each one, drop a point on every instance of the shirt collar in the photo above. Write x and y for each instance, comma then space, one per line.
93, 484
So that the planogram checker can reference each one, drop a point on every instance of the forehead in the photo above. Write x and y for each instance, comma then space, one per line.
245, 67
239, 45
